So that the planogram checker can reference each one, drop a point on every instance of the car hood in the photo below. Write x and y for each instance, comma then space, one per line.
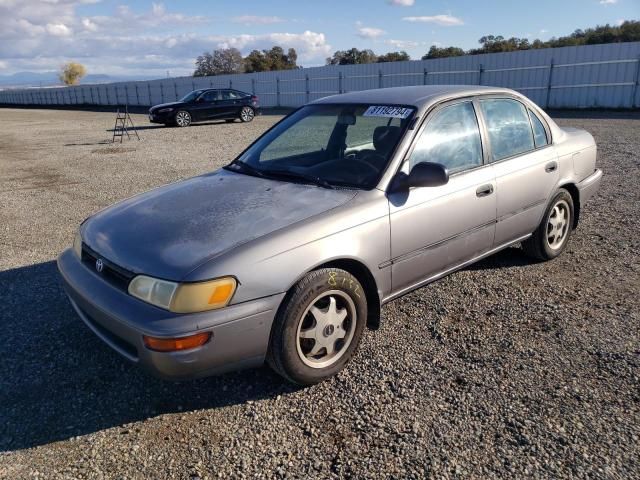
169, 231
166, 105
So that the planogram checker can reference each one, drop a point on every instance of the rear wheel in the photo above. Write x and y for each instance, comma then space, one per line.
318, 327
183, 118
247, 114
552, 235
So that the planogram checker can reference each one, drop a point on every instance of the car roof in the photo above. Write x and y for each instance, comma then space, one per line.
418, 96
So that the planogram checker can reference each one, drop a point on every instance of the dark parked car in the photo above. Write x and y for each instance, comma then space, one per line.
206, 104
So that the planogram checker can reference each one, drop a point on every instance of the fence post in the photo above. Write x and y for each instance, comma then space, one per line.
161, 93
230, 83
549, 80
277, 91
634, 93
253, 86
380, 78
306, 87
339, 82
480, 70
424, 76
137, 95
175, 89
149, 90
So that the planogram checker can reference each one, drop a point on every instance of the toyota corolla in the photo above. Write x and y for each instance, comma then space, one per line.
286, 254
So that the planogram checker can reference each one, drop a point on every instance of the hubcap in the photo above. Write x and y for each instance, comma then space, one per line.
558, 225
246, 114
326, 329
183, 119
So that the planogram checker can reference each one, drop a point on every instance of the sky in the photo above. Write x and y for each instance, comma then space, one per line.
152, 38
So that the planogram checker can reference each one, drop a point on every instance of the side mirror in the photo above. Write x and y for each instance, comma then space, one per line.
423, 174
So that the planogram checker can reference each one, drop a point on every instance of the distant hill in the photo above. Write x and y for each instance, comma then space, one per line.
46, 79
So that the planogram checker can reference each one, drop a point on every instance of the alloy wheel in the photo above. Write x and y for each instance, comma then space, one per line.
246, 114
558, 225
183, 119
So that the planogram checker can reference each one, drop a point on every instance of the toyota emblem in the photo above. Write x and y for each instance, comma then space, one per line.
99, 265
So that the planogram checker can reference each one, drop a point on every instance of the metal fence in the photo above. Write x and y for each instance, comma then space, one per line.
599, 76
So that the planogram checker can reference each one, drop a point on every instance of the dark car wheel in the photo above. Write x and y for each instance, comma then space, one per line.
318, 326
247, 114
183, 118
552, 235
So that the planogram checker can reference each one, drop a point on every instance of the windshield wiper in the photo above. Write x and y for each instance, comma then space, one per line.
300, 176
245, 168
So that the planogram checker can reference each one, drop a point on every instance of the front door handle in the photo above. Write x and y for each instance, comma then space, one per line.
484, 190
551, 167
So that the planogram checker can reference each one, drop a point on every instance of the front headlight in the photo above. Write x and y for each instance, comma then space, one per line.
77, 244
165, 110
184, 297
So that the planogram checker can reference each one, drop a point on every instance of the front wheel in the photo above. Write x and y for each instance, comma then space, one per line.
552, 235
183, 118
318, 327
247, 114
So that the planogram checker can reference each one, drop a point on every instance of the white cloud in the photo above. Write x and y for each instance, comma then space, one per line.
443, 20
608, 2
257, 20
402, 3
370, 32
402, 44
58, 29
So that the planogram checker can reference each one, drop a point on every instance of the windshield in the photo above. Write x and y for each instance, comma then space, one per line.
190, 97
330, 145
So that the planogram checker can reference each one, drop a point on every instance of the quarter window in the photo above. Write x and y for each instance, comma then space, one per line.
509, 128
539, 133
451, 138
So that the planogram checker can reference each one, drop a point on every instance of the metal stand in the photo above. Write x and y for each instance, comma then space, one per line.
123, 124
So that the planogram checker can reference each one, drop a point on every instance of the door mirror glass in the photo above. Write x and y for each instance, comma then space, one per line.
423, 174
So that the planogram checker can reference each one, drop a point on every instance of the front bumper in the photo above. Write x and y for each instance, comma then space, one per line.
240, 333
589, 186
161, 117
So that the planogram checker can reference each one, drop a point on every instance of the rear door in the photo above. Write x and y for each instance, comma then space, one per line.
434, 229
524, 162
230, 104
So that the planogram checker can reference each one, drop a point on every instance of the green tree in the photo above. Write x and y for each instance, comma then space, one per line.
394, 57
352, 57
220, 62
437, 52
269, 60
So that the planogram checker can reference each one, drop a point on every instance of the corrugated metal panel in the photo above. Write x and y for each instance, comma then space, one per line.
584, 76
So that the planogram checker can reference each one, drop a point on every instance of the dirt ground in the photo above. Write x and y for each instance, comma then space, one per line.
506, 369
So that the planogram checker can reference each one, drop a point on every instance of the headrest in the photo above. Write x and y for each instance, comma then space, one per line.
385, 138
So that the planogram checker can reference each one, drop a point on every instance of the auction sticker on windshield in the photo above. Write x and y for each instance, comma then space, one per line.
390, 112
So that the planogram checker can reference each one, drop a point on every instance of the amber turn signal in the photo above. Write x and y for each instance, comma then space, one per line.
176, 344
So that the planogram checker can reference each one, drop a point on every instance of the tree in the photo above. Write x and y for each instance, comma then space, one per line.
394, 57
269, 60
71, 73
437, 52
352, 57
221, 62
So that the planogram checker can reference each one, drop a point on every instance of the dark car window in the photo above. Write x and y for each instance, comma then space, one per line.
451, 138
211, 96
230, 95
340, 144
191, 96
509, 127
539, 133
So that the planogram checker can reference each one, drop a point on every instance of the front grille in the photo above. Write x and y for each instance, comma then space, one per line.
112, 273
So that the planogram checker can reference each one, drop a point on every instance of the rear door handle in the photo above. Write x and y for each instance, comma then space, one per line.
484, 190
551, 167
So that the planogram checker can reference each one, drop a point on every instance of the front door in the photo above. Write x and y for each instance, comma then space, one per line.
525, 165
205, 105
434, 229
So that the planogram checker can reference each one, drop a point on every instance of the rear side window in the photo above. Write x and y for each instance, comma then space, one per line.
509, 128
539, 133
451, 138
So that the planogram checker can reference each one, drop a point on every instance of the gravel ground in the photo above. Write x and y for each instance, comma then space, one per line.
506, 369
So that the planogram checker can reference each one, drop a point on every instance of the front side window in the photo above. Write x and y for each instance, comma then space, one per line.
539, 133
451, 138
211, 96
191, 96
509, 128
341, 145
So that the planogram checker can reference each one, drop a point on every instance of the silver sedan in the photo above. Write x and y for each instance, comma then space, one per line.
288, 253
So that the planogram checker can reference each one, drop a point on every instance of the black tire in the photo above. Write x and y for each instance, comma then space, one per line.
286, 345
246, 114
538, 245
182, 118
